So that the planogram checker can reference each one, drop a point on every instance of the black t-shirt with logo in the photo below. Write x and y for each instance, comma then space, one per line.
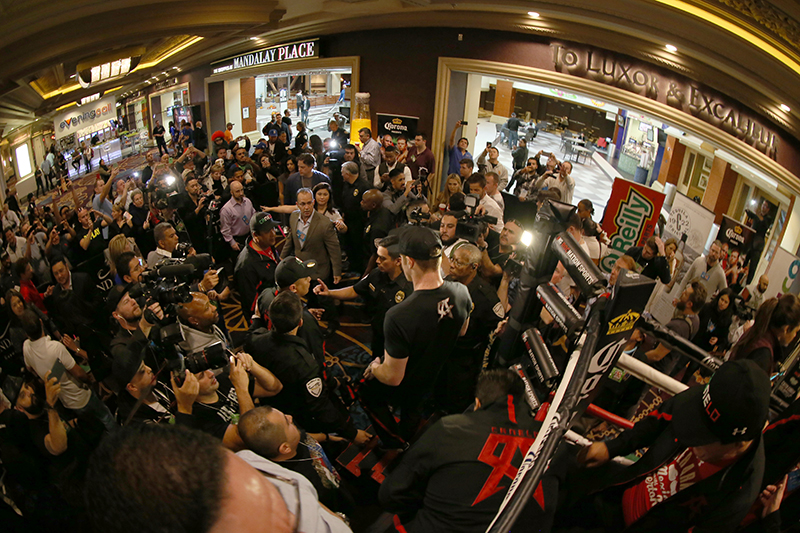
214, 418
97, 244
424, 329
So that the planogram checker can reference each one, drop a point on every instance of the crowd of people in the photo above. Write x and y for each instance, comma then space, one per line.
128, 405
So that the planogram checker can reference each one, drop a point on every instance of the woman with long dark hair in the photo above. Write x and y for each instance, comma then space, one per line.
716, 317
775, 326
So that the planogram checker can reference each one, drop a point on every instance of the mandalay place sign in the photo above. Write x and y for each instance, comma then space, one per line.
645, 80
268, 56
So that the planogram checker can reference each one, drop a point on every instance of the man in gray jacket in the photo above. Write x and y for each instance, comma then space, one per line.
312, 236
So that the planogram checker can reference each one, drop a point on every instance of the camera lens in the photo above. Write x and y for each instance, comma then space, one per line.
213, 356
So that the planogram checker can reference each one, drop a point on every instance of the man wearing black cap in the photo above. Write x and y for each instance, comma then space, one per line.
293, 275
255, 266
703, 467
382, 289
275, 148
420, 334
135, 379
305, 393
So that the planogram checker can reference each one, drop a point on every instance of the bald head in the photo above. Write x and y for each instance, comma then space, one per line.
371, 200
198, 313
763, 283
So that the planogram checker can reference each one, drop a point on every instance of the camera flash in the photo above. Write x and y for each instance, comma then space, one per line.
527, 238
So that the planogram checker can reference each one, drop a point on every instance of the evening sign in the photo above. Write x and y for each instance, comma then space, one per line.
274, 54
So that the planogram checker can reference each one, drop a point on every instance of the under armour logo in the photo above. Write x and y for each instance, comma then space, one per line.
445, 309
739, 431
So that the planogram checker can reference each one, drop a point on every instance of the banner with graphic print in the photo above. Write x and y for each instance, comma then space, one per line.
736, 235
783, 274
630, 218
690, 224
397, 125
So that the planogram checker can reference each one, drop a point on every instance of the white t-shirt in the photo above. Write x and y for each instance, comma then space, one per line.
493, 210
41, 354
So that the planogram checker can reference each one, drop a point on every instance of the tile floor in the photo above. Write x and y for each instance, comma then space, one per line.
590, 180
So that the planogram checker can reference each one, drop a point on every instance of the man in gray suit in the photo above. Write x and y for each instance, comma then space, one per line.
312, 236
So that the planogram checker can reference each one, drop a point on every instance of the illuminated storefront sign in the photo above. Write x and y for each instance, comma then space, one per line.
273, 54
84, 116
643, 79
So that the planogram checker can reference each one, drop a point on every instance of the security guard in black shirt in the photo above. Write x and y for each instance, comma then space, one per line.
305, 394
382, 289
379, 223
353, 190
293, 275
455, 391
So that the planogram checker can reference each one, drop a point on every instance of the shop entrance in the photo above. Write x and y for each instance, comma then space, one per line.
327, 91
605, 132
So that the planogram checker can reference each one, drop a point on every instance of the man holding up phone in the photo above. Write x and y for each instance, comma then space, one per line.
458, 151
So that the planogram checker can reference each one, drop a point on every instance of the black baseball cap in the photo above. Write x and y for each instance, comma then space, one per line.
125, 366
732, 407
115, 295
261, 222
420, 243
291, 269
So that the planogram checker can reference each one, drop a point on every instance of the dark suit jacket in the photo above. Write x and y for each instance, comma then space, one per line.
322, 244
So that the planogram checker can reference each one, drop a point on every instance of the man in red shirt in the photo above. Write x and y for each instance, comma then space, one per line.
420, 156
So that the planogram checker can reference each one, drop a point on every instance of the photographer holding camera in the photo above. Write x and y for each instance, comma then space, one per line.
477, 186
214, 405
399, 193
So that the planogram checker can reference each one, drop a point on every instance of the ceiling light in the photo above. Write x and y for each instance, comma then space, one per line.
671, 48
253, 38
533, 14
173, 68
786, 108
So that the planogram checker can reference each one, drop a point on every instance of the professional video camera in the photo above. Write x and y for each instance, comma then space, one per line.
169, 285
335, 156
471, 226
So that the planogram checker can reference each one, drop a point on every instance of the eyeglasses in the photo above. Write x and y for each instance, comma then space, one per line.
296, 486
459, 263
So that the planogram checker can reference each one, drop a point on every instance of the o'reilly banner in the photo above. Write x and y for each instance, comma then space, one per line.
397, 125
273, 54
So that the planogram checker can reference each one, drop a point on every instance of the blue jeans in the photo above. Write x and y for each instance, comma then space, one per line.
97, 409
513, 138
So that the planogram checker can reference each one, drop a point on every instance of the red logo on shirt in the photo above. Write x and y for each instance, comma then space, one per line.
501, 464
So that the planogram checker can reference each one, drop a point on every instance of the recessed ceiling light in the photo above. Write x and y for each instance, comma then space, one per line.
533, 14
786, 108
253, 38
671, 48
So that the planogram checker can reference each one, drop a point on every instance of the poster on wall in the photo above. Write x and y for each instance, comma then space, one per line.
630, 218
783, 274
734, 235
690, 224
397, 125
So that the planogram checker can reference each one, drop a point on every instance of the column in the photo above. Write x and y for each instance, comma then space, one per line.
672, 162
719, 191
247, 96
503, 98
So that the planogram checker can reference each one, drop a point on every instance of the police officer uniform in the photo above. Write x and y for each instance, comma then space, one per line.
381, 294
355, 217
379, 223
455, 390
305, 395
